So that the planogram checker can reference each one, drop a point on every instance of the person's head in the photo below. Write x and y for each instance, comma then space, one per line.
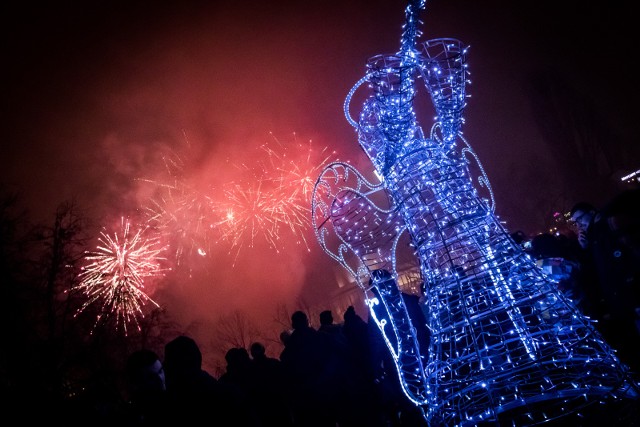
144, 372
546, 245
582, 214
284, 336
326, 317
257, 350
519, 237
182, 357
299, 320
237, 357
623, 213
350, 314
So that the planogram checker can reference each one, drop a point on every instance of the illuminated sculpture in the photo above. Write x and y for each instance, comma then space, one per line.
505, 347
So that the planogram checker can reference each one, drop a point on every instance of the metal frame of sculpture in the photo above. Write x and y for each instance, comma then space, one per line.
506, 347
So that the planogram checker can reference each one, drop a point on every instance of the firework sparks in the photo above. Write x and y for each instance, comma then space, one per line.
273, 197
247, 213
299, 170
183, 215
299, 166
116, 272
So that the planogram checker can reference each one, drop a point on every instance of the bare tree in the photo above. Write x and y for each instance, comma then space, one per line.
236, 330
55, 259
283, 316
14, 307
63, 245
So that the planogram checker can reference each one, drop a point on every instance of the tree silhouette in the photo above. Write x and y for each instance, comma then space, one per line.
235, 330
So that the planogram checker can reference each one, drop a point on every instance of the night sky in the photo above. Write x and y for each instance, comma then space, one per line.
96, 95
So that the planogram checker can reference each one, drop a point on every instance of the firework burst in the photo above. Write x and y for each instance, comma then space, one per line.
115, 273
182, 214
298, 164
185, 217
246, 213
267, 203
273, 197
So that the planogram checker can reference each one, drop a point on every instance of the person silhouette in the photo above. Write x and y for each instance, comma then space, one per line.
239, 372
610, 237
270, 388
195, 396
332, 330
583, 216
305, 363
146, 388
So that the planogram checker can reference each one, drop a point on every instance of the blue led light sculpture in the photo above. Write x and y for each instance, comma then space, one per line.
506, 347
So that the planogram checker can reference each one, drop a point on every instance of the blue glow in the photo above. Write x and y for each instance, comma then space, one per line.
502, 338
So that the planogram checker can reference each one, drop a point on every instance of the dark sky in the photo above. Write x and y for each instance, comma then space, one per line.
96, 93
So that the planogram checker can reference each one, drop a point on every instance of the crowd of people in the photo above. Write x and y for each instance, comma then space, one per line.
335, 375
598, 267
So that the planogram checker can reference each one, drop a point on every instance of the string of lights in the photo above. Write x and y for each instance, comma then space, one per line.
505, 346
